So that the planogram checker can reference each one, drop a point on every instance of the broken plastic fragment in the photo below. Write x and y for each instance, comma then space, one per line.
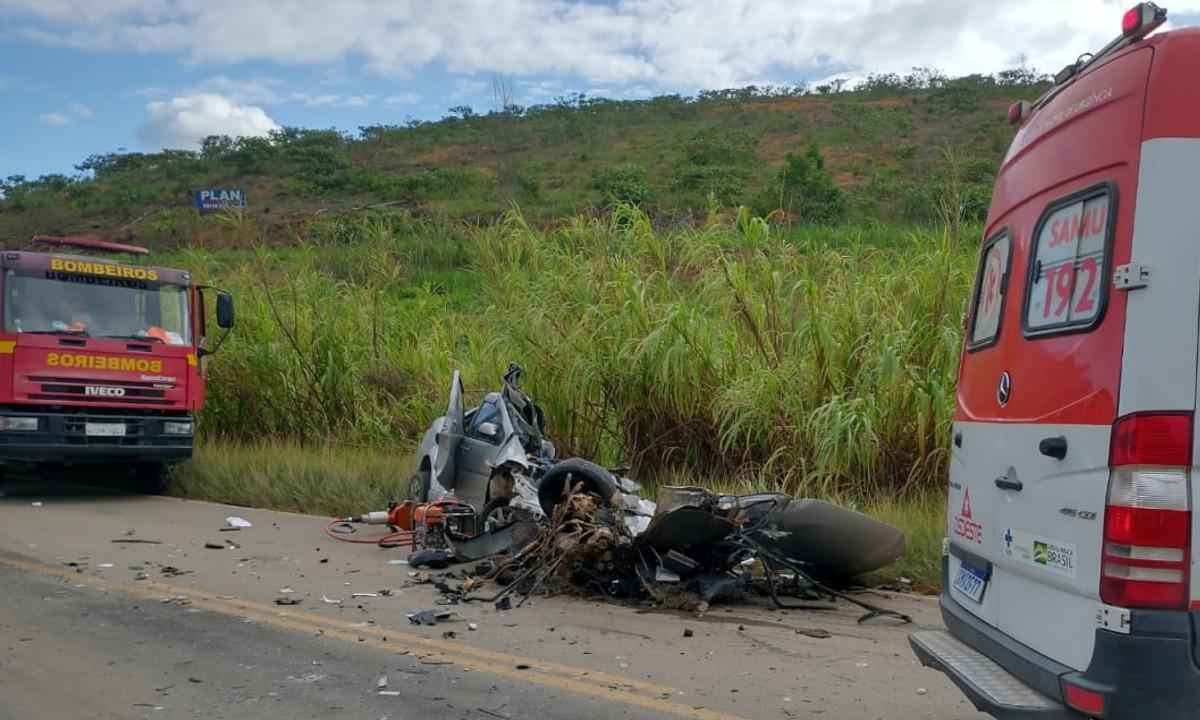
428, 617
331, 601
234, 521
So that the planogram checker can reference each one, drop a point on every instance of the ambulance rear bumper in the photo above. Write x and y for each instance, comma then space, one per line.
1150, 672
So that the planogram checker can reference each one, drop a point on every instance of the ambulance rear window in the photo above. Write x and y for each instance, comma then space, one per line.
991, 286
1068, 264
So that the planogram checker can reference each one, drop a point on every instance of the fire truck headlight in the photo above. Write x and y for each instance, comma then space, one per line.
18, 424
173, 427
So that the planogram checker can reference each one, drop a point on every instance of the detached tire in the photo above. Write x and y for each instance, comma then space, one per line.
152, 478
596, 480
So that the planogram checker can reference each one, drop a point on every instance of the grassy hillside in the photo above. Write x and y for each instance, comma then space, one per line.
900, 149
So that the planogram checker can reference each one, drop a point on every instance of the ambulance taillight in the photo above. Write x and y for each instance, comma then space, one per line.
1148, 519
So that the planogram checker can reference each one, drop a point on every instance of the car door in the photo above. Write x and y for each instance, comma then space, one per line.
477, 452
449, 437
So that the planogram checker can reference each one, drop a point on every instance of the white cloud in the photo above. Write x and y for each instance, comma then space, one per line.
254, 91
666, 44
469, 88
404, 98
183, 122
317, 100
54, 119
356, 101
81, 110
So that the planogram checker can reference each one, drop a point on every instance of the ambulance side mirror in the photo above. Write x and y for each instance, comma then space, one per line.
225, 312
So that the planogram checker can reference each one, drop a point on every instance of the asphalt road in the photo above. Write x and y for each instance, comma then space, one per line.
90, 628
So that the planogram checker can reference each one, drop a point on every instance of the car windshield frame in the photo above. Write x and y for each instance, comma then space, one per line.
104, 307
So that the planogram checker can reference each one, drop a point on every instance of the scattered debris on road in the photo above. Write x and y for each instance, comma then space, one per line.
429, 617
214, 546
137, 541
287, 600
233, 522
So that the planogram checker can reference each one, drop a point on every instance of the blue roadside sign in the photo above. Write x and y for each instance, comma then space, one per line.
219, 199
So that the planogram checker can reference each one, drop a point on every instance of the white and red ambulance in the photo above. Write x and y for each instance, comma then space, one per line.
1070, 586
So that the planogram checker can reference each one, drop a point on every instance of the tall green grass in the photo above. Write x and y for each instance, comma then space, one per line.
814, 361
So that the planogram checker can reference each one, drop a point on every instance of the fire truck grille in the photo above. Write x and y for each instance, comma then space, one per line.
75, 431
106, 391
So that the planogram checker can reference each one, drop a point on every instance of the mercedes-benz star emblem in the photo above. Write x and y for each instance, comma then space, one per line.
1004, 391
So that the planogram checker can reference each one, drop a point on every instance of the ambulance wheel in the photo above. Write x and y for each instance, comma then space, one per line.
152, 478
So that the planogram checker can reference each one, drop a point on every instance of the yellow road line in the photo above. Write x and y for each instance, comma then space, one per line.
579, 681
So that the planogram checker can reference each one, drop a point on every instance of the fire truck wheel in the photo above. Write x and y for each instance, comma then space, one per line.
50, 471
152, 478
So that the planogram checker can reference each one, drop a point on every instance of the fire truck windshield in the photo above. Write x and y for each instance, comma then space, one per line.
141, 310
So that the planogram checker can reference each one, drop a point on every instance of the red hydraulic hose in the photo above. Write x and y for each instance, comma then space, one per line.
392, 539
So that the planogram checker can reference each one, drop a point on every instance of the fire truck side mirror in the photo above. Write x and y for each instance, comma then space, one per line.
225, 310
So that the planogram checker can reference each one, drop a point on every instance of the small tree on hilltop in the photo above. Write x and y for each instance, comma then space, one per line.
804, 190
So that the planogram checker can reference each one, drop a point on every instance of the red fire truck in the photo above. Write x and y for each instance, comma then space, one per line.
101, 361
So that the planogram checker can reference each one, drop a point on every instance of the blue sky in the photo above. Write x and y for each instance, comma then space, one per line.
78, 78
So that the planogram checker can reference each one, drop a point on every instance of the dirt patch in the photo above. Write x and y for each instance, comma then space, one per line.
808, 105
846, 179
774, 148
443, 154
888, 102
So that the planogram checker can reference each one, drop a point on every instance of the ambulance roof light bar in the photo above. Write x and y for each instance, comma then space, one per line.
1138, 22
90, 242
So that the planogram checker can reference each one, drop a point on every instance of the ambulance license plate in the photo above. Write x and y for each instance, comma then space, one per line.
104, 429
970, 582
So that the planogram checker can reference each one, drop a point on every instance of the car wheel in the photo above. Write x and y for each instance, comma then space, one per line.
418, 487
596, 480
498, 514
152, 478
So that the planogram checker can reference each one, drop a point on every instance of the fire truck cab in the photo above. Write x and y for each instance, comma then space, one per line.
1070, 587
100, 361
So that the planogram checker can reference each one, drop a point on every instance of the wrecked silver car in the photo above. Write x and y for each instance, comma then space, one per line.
496, 457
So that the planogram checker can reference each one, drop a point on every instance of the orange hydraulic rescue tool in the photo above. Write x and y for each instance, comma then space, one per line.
421, 524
